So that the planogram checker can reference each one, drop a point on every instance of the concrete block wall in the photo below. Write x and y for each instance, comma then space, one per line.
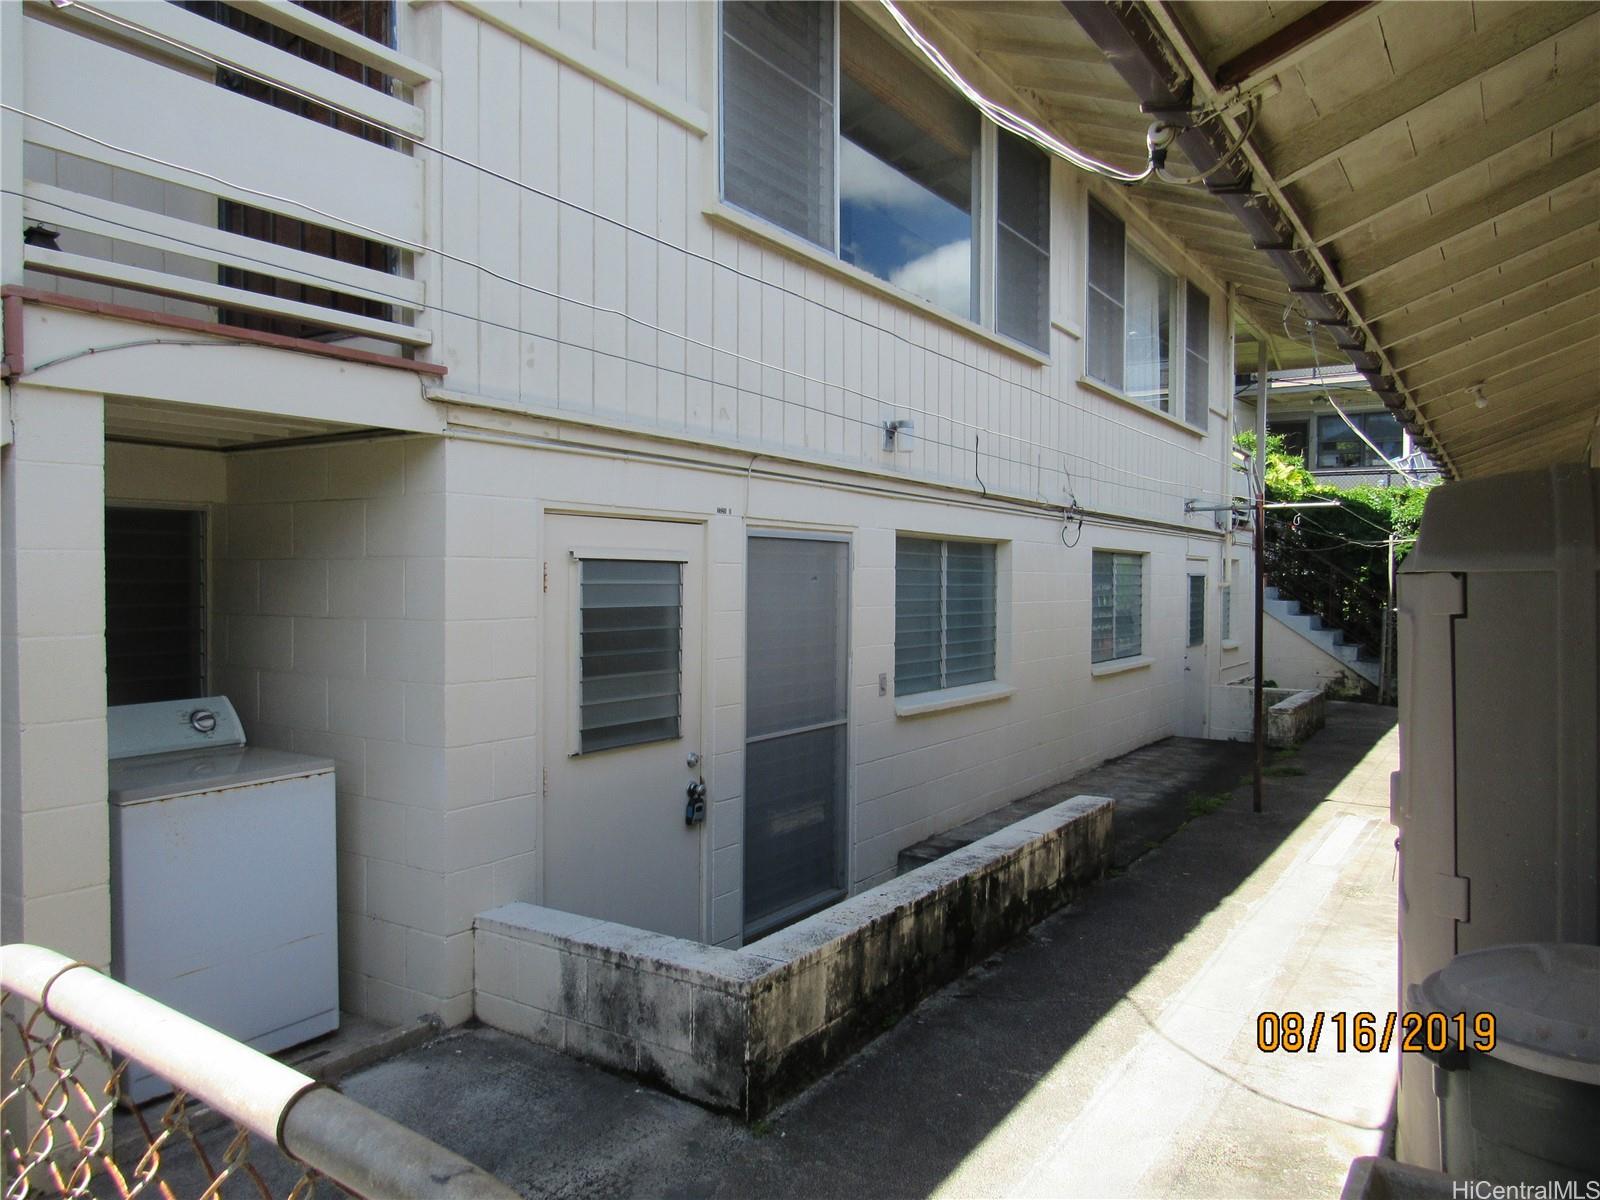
54, 830
743, 1029
329, 606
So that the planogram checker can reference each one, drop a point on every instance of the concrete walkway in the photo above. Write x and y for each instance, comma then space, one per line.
1111, 1052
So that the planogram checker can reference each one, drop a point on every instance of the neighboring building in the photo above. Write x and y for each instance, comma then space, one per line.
1299, 411
540, 473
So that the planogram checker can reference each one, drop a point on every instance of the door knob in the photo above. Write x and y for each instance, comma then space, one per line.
694, 812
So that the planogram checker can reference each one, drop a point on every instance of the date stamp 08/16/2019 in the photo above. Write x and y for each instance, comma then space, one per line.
1368, 1033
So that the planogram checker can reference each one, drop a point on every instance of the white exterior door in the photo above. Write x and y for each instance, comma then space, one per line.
622, 636
1196, 670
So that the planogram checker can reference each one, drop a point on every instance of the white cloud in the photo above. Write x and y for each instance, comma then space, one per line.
942, 276
864, 179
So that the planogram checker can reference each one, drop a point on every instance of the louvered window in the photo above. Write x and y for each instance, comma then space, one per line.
630, 680
778, 117
944, 626
841, 135
1197, 609
1022, 280
1227, 612
155, 605
1142, 324
1197, 352
1117, 619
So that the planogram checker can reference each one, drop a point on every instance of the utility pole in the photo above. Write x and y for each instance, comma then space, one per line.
1259, 474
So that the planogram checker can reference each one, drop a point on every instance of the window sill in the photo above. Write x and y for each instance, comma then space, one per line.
788, 243
969, 694
1111, 393
1118, 666
1230, 645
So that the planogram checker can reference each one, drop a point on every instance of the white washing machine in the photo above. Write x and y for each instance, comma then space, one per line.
222, 875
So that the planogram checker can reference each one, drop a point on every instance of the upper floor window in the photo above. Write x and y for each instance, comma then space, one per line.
1148, 332
832, 132
1294, 435
1339, 446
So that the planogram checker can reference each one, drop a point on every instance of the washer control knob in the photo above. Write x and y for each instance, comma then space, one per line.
203, 720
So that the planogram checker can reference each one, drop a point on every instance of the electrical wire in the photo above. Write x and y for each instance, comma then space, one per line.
607, 311
600, 309
954, 448
1344, 416
416, 143
1007, 119
522, 185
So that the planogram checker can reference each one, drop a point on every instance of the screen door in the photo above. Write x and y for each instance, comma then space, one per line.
796, 663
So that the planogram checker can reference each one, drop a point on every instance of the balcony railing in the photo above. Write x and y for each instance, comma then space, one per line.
144, 175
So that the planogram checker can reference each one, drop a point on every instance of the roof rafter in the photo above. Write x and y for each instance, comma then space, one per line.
1362, 266
1547, 105
1389, 297
1287, 45
1315, 144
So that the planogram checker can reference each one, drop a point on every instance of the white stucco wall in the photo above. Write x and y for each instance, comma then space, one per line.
1293, 661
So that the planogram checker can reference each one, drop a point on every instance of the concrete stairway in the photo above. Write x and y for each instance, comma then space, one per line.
1315, 630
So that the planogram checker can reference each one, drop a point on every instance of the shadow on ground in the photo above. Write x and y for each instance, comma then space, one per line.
896, 1119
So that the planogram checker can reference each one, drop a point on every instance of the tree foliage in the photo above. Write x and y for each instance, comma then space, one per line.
1335, 560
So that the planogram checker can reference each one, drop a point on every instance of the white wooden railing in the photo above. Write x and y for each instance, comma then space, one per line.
131, 88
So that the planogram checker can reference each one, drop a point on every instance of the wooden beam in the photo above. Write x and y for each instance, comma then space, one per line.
1476, 426
232, 333
1506, 323
1306, 148
1361, 266
1036, 48
1520, 357
1067, 82
1526, 447
1277, 50
1545, 106
1441, 310
1382, 300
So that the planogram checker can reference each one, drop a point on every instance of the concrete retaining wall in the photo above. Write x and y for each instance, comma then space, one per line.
1295, 718
742, 1029
1292, 715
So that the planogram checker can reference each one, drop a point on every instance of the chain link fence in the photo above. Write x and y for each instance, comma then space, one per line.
67, 1128
236, 1124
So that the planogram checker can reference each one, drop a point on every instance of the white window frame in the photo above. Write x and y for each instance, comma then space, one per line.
944, 687
1133, 242
1225, 602
985, 214
1190, 641
1139, 655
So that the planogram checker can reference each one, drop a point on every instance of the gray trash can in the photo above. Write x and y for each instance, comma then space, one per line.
1527, 1110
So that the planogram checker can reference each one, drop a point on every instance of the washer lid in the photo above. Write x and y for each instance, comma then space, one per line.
169, 776
1545, 997
168, 725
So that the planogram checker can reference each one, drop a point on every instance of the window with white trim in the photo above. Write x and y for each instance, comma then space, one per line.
1116, 627
1148, 332
944, 614
1197, 610
1226, 601
1338, 445
834, 133
630, 651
